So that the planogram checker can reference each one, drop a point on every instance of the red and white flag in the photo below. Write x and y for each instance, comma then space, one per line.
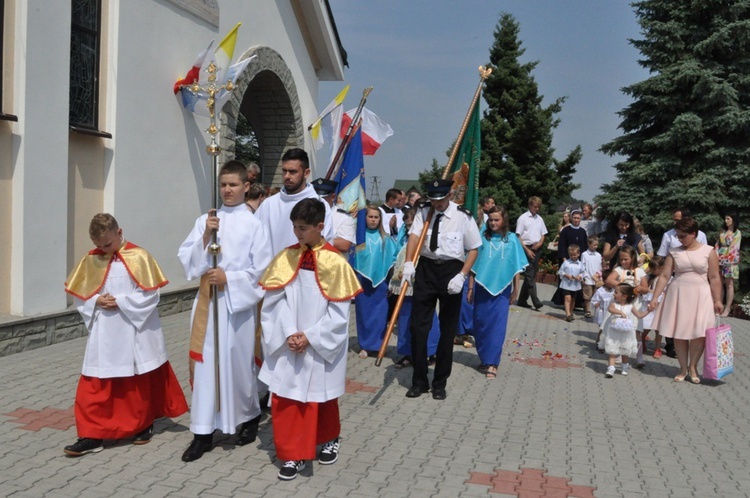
374, 129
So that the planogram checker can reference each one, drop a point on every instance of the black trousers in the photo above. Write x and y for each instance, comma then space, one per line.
528, 288
431, 286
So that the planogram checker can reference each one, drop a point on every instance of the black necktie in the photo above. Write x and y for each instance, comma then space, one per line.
435, 231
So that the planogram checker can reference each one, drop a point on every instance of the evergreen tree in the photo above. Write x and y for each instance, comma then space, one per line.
435, 171
246, 144
685, 140
517, 152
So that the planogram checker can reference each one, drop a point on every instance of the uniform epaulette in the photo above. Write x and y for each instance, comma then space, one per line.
425, 204
342, 211
464, 210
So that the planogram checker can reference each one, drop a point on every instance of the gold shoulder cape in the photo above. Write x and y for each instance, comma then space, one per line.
89, 275
336, 279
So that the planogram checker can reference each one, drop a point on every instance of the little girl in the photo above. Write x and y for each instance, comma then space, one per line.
655, 267
628, 272
372, 261
619, 329
600, 301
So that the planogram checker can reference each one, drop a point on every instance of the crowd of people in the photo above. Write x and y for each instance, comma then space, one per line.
288, 265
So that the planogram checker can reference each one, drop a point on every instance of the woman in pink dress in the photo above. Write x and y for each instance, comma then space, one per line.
687, 310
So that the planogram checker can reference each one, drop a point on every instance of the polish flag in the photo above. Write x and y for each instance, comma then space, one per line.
374, 129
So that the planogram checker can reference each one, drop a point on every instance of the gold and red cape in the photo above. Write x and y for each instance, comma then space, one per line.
336, 279
88, 277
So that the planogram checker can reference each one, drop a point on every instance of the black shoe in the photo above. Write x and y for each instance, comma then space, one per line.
523, 305
671, 353
84, 445
438, 393
248, 432
201, 443
329, 453
537, 307
416, 391
290, 469
144, 436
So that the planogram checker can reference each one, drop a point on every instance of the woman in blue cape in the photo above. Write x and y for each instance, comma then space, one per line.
372, 261
493, 285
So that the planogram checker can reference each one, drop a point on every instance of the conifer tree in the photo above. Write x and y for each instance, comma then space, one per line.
517, 152
686, 136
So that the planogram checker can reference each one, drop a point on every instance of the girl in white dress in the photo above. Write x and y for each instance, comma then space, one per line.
618, 329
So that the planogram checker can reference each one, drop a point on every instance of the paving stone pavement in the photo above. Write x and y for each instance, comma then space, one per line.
549, 425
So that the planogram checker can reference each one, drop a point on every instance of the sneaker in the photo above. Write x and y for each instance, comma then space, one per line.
329, 453
83, 446
625, 368
657, 353
290, 469
610, 372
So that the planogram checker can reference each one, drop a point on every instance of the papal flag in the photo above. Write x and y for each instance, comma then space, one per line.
464, 170
324, 130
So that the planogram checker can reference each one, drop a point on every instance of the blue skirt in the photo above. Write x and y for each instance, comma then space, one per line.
490, 323
466, 320
372, 314
403, 346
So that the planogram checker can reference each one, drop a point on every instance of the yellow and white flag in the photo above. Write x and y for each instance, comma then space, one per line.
325, 128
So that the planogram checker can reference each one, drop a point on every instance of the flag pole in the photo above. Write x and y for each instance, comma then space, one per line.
213, 150
349, 133
483, 74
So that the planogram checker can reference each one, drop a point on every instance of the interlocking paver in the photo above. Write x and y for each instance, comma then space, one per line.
566, 426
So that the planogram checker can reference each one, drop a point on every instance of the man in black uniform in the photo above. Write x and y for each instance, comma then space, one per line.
446, 258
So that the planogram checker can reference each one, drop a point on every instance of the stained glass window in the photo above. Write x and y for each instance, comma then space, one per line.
84, 63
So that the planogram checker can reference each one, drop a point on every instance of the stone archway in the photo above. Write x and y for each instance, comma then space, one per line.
266, 94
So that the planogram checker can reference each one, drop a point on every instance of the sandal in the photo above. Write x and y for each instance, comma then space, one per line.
466, 342
431, 360
483, 368
404, 362
491, 372
680, 378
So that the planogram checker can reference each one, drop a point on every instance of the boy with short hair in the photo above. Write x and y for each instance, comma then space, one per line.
245, 253
592, 264
571, 273
305, 320
126, 381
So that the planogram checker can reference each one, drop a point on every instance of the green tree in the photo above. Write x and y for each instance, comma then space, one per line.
685, 136
246, 144
517, 154
434, 171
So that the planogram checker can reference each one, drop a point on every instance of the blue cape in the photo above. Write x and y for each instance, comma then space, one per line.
498, 261
375, 257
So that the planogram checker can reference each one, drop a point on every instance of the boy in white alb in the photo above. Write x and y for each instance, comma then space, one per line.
305, 317
245, 253
126, 380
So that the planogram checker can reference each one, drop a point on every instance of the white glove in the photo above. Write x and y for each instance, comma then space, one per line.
456, 285
408, 274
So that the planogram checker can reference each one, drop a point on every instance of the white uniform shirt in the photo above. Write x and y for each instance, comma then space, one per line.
670, 241
457, 233
344, 226
530, 228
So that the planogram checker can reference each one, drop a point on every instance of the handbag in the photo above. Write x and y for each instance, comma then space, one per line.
552, 246
718, 361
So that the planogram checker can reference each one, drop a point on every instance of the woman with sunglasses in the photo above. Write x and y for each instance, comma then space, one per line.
687, 309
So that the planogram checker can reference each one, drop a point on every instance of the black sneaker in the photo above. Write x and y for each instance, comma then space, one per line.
144, 436
290, 469
329, 453
84, 445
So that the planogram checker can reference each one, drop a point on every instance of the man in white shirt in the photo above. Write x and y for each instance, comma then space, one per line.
344, 230
531, 229
669, 239
446, 258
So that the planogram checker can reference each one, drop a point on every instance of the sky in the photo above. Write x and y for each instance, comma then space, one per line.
421, 57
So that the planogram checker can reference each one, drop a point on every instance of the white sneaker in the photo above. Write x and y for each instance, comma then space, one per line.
625, 368
610, 372
290, 469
